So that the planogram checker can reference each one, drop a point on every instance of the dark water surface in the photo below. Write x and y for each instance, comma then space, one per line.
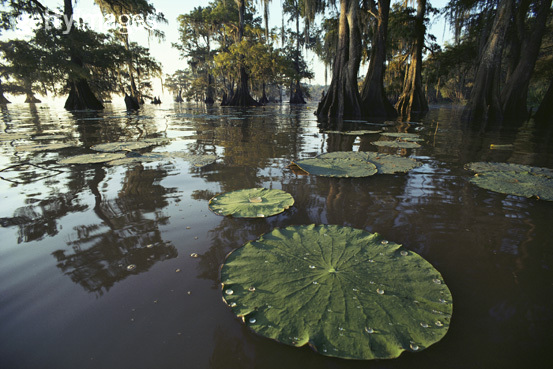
68, 233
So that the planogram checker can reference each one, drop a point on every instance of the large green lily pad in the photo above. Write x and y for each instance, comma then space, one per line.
337, 167
397, 144
343, 291
385, 163
481, 167
525, 184
251, 203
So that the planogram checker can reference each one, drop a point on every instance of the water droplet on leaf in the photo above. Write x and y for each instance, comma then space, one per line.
131, 267
229, 292
379, 291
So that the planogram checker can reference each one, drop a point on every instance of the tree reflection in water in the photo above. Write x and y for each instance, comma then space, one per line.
128, 241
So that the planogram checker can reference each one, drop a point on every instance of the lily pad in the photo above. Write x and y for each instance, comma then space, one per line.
526, 184
49, 137
344, 292
121, 146
251, 203
337, 167
354, 133
397, 144
12, 136
385, 163
480, 167
403, 136
42, 147
92, 158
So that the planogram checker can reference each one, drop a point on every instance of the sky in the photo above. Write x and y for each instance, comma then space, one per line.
169, 57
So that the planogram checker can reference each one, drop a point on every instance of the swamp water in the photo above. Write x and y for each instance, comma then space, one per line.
105, 266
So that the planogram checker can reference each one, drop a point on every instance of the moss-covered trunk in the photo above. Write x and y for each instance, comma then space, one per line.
412, 100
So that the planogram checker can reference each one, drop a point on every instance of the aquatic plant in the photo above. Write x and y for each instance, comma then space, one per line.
344, 292
251, 203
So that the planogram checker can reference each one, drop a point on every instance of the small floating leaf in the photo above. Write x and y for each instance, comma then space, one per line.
403, 136
121, 146
355, 133
92, 158
501, 147
342, 315
397, 144
239, 203
42, 147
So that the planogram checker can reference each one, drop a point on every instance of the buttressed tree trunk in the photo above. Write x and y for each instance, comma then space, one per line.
80, 95
514, 95
373, 96
342, 98
412, 99
241, 96
484, 102
3, 99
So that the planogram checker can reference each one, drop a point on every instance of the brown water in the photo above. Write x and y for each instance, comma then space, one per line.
68, 234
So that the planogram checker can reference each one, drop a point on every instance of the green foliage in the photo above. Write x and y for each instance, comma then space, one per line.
344, 292
251, 203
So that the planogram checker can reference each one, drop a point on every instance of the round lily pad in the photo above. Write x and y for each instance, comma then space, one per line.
42, 147
403, 136
397, 144
121, 146
343, 291
480, 167
12, 136
92, 158
251, 203
385, 163
337, 167
525, 184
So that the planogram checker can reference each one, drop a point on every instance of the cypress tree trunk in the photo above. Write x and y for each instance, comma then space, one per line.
373, 96
545, 110
296, 94
80, 95
413, 99
342, 98
515, 92
241, 96
3, 99
484, 102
